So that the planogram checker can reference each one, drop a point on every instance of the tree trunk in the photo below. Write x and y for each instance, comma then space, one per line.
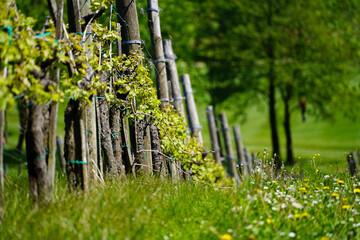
289, 148
69, 146
35, 155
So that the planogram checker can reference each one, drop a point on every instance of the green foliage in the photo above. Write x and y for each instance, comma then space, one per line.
27, 51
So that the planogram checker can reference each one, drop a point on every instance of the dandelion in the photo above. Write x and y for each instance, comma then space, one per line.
226, 237
303, 189
356, 190
326, 188
268, 221
324, 238
345, 199
256, 189
297, 215
346, 207
340, 181
306, 180
317, 170
305, 215
334, 194
273, 181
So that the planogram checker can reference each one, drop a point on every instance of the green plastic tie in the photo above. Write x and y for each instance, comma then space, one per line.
40, 156
114, 133
88, 132
124, 146
77, 162
99, 97
43, 34
48, 151
28, 105
10, 30
81, 33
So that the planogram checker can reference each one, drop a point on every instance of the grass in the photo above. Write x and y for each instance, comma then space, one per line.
150, 208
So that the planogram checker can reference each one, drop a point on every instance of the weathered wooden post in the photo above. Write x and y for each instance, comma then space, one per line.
1, 163
60, 150
248, 160
213, 134
172, 74
239, 148
54, 106
193, 117
159, 58
128, 18
231, 166
352, 163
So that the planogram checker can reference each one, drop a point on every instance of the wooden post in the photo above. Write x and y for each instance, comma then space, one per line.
248, 160
193, 117
84, 169
213, 133
157, 158
352, 164
239, 147
1, 163
172, 74
128, 18
231, 166
60, 150
147, 147
159, 58
54, 106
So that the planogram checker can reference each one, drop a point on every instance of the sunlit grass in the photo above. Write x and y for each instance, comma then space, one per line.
310, 205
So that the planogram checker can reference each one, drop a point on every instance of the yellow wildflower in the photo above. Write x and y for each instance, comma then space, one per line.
334, 194
345, 199
297, 215
356, 190
347, 207
305, 215
317, 170
326, 188
268, 220
256, 189
226, 237
340, 181
306, 180
324, 238
252, 237
274, 181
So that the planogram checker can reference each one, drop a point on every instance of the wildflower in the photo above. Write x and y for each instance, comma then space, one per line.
303, 189
317, 170
268, 221
292, 234
256, 189
326, 188
326, 177
297, 205
334, 194
297, 215
346, 207
345, 199
252, 237
356, 190
340, 181
273, 181
226, 237
324, 238
306, 180
305, 215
